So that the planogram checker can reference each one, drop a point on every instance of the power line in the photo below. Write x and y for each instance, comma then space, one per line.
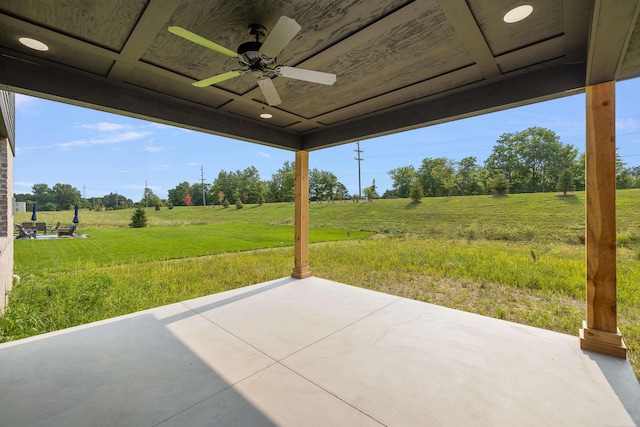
359, 159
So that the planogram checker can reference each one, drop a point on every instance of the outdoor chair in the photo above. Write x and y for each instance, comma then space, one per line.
24, 234
66, 232
41, 226
54, 229
28, 226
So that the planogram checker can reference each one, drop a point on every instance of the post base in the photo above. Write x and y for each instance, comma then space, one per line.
301, 272
602, 342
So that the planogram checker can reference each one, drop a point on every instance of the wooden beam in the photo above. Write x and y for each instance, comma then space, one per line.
611, 28
467, 29
600, 332
153, 20
301, 268
64, 84
472, 100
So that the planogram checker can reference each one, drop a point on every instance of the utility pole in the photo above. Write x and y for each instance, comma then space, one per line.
146, 194
204, 200
359, 159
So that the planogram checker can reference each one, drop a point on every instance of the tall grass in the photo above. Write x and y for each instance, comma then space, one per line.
518, 258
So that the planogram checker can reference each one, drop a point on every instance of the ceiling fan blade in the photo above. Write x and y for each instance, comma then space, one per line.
306, 75
192, 37
217, 79
269, 91
282, 33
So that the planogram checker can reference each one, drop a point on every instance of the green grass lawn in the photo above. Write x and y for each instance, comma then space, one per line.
519, 258
128, 245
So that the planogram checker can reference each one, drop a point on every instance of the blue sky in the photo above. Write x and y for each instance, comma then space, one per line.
100, 153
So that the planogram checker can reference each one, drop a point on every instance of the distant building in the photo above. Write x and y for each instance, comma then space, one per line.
19, 206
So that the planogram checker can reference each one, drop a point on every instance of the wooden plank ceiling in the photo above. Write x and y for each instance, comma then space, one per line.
400, 64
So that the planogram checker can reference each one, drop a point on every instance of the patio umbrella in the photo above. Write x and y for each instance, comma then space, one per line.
33, 213
75, 217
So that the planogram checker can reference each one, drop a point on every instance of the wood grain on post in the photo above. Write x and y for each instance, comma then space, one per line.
301, 267
600, 332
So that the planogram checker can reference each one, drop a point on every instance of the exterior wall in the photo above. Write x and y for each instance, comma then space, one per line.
7, 152
6, 221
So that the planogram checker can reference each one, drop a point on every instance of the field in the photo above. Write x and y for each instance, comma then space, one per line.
519, 258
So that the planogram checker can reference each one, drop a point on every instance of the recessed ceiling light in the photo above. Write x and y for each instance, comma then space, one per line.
266, 115
33, 44
517, 14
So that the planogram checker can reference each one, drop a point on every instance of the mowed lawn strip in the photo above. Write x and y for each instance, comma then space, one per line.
127, 245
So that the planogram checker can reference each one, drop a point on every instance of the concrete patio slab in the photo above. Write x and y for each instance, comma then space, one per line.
310, 352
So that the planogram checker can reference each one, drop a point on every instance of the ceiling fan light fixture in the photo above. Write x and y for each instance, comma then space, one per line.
517, 14
33, 44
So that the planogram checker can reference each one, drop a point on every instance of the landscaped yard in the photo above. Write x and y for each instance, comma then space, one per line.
519, 258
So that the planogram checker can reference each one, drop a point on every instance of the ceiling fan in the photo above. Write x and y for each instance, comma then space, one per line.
259, 58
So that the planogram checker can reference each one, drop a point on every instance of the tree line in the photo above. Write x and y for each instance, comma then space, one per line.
65, 196
247, 187
533, 160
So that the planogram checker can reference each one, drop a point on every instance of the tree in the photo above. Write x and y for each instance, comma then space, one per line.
342, 193
503, 158
177, 195
281, 186
403, 178
197, 196
371, 192
42, 194
139, 218
444, 173
565, 181
149, 198
416, 192
116, 201
188, 201
322, 185
623, 179
531, 160
432, 174
467, 175
220, 196
65, 196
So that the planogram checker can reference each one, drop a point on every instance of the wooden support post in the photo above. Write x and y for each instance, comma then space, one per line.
301, 268
600, 332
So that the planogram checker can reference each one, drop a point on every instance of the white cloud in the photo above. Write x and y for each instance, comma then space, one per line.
104, 126
19, 184
193, 164
115, 138
153, 148
265, 155
159, 168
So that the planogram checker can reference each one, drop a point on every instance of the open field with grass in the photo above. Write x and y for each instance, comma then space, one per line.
518, 258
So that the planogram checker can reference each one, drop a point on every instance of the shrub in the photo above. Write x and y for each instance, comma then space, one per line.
499, 185
169, 205
565, 182
239, 204
225, 203
138, 219
416, 193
